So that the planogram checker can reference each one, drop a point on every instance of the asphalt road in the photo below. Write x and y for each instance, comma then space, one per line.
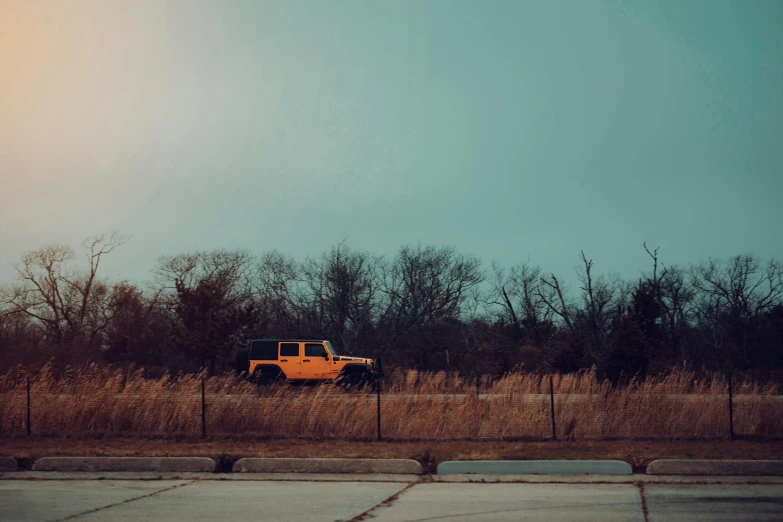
83, 500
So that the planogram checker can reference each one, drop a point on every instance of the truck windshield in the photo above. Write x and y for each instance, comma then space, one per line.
329, 347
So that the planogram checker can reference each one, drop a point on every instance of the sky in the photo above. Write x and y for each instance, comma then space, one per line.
519, 130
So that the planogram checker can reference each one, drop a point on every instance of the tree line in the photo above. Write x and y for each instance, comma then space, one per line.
426, 307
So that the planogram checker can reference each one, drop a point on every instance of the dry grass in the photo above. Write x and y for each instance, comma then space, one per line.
97, 401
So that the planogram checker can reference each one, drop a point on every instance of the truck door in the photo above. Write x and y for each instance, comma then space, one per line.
290, 360
315, 364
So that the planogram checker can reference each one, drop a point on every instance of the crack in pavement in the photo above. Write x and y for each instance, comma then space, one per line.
384, 503
515, 510
640, 486
71, 517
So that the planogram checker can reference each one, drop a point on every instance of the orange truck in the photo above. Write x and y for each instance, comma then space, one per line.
305, 360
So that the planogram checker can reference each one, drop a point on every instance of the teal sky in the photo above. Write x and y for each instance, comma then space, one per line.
511, 130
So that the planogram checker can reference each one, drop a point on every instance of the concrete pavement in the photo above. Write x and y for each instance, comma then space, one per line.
58, 500
713, 503
417, 500
28, 501
513, 502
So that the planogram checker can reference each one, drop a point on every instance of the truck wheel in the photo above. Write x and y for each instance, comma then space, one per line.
265, 377
353, 381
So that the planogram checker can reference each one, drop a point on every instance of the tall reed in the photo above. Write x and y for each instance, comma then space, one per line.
96, 400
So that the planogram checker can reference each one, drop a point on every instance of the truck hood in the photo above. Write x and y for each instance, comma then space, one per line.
346, 358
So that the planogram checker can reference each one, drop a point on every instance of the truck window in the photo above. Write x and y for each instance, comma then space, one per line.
314, 350
289, 349
263, 351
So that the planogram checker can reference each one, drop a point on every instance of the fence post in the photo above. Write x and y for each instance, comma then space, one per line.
731, 410
203, 411
29, 428
552, 403
378, 393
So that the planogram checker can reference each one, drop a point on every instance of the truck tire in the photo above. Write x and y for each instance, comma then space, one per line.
267, 375
353, 380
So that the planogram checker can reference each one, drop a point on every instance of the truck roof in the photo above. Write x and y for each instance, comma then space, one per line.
290, 340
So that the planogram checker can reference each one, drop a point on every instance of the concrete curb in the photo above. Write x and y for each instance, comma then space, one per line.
715, 467
107, 475
410, 479
159, 464
8, 464
294, 465
602, 479
215, 477
535, 467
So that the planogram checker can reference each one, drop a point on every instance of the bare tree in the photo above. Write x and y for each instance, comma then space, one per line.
553, 294
518, 294
275, 289
340, 290
733, 295
70, 305
229, 269
742, 285
596, 298
673, 296
210, 302
423, 286
587, 320
138, 331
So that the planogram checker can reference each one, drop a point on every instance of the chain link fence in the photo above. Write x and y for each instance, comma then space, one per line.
402, 406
